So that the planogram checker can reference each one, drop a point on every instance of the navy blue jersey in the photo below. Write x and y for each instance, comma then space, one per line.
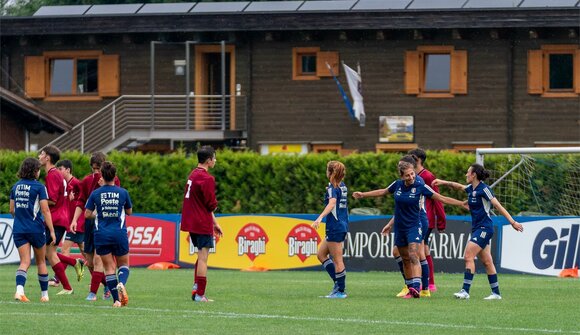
337, 219
479, 200
110, 203
27, 194
408, 202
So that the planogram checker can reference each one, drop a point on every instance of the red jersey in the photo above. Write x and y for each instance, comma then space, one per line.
435, 211
87, 186
56, 188
73, 187
199, 202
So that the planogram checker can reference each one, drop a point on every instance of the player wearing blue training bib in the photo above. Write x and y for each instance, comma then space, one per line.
408, 193
29, 207
480, 198
111, 205
336, 213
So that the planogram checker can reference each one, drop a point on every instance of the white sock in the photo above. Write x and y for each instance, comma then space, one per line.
20, 289
44, 294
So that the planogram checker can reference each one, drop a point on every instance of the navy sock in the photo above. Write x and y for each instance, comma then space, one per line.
123, 274
43, 281
112, 285
493, 283
20, 277
409, 283
424, 275
417, 283
467, 279
341, 280
328, 265
400, 264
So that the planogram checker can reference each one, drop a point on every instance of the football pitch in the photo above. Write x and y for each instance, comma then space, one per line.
288, 302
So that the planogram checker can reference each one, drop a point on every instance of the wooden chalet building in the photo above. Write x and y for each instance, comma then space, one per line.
468, 73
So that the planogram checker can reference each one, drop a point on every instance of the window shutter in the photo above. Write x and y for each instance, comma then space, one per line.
330, 57
109, 82
412, 72
459, 72
577, 71
535, 66
34, 81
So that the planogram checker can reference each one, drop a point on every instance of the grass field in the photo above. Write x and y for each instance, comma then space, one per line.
288, 303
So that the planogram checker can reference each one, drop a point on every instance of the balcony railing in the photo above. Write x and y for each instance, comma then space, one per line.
192, 116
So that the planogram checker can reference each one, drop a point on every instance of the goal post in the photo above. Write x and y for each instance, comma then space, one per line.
534, 181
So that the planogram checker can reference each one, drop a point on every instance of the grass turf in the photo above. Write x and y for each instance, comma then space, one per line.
287, 302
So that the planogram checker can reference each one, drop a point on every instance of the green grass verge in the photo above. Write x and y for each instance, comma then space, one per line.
287, 302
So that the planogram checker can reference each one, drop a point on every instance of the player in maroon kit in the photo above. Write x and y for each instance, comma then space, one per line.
73, 190
90, 183
56, 189
435, 211
198, 219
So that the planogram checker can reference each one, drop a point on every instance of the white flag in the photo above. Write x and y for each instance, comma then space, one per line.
355, 86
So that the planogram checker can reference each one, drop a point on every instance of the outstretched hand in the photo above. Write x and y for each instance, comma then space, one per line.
517, 226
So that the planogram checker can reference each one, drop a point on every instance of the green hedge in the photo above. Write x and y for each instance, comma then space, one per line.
250, 183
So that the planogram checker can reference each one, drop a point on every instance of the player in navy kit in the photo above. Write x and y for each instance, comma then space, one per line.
111, 205
480, 199
336, 213
28, 199
409, 193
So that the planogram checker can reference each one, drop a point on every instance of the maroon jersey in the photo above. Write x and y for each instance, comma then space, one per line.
435, 211
87, 186
57, 193
73, 187
199, 202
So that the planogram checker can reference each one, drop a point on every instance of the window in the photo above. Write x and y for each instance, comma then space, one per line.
310, 63
436, 72
554, 71
72, 75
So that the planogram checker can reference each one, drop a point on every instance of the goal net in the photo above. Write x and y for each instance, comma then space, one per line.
535, 181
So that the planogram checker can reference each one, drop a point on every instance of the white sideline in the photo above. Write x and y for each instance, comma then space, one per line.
232, 315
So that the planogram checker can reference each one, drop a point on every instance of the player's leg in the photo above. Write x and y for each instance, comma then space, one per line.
69, 240
485, 257
414, 256
24, 253
424, 271
327, 263
40, 258
202, 257
335, 249
57, 266
471, 251
399, 259
110, 271
432, 286
121, 252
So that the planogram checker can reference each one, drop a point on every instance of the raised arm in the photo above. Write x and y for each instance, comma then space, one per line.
447, 200
452, 184
370, 194
517, 226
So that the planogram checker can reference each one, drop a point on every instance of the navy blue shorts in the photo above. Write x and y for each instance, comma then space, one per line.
36, 240
425, 232
77, 238
201, 241
89, 242
336, 237
117, 244
481, 236
428, 235
58, 233
404, 237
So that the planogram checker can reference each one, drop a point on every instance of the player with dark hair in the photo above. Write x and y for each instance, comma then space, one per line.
57, 194
90, 183
408, 193
64, 166
480, 198
335, 200
28, 199
198, 219
435, 212
111, 204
